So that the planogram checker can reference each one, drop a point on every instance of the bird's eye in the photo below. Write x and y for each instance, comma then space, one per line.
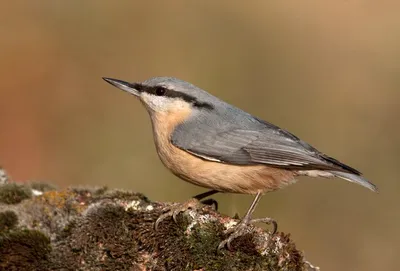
160, 91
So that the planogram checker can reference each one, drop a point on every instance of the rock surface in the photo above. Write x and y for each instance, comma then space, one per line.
42, 228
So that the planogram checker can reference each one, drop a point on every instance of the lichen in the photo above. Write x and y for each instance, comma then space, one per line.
101, 229
43, 187
4, 178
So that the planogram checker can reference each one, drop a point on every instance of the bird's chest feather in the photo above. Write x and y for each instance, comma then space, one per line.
175, 159
211, 174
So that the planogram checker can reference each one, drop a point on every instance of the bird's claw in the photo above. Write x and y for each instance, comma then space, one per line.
175, 210
239, 230
211, 202
242, 229
268, 221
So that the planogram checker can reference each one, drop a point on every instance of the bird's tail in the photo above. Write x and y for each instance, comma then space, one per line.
354, 178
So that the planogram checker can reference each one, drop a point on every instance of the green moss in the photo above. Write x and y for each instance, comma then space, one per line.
204, 241
120, 238
103, 232
178, 248
12, 193
8, 220
67, 230
205, 238
23, 250
197, 250
100, 191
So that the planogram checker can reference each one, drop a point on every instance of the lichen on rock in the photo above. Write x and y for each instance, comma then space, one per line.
101, 229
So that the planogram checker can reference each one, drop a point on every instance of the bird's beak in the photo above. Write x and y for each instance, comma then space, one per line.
125, 86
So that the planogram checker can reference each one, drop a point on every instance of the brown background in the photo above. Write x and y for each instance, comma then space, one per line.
326, 71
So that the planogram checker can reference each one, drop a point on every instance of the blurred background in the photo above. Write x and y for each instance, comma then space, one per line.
326, 71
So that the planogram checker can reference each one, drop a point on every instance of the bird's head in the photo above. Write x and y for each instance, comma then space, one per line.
166, 94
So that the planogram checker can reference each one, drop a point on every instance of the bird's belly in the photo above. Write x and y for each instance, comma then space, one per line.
223, 177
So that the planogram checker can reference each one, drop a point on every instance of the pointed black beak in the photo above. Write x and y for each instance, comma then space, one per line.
125, 86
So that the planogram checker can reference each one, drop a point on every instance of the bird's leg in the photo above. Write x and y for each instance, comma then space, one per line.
242, 228
205, 194
193, 204
209, 202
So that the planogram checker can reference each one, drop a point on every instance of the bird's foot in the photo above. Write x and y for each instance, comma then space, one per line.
173, 211
210, 202
242, 229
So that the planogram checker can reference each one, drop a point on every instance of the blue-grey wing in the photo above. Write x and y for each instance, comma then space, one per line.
258, 143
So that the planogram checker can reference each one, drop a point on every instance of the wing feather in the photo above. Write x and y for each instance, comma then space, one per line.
259, 143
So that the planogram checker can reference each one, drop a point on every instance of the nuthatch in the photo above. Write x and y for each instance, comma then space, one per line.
213, 144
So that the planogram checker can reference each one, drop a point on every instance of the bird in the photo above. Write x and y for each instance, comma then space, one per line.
215, 145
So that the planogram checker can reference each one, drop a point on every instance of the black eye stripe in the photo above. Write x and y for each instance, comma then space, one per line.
163, 91
138, 87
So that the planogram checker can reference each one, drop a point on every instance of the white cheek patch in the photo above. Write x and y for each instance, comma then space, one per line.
155, 103
162, 103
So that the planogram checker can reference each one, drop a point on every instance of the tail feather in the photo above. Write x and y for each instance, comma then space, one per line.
354, 178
